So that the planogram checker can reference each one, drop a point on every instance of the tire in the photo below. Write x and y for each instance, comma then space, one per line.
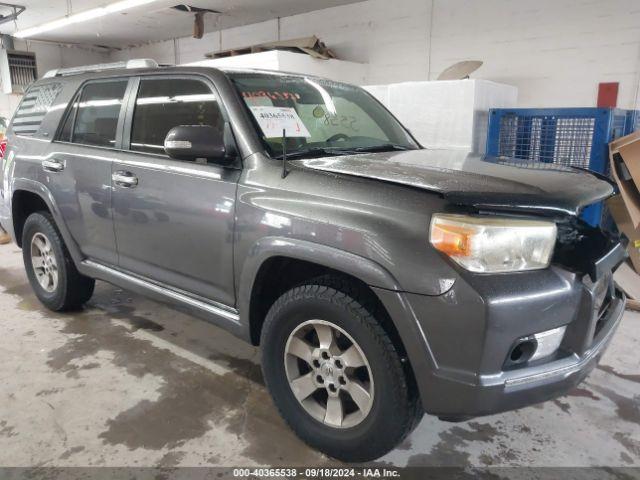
365, 434
70, 290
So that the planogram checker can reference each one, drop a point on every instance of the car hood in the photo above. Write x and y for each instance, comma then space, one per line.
478, 181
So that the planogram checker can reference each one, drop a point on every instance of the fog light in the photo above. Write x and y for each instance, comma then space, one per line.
522, 351
548, 342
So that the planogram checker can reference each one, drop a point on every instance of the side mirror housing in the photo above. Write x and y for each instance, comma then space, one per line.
190, 142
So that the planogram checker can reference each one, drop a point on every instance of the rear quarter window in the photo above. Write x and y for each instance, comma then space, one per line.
34, 106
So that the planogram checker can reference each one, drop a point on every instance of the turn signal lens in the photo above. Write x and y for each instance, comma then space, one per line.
493, 244
451, 239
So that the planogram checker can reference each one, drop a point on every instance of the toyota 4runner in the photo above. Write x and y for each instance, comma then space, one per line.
380, 279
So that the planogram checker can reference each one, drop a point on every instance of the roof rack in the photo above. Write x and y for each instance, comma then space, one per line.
134, 63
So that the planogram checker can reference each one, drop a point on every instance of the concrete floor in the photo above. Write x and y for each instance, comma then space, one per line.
129, 382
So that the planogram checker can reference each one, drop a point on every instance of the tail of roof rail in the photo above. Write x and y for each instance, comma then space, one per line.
133, 63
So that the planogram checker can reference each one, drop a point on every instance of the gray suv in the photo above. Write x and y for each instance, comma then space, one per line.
380, 279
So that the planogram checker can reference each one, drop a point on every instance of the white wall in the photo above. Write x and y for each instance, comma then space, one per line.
372, 32
555, 51
48, 57
53, 55
8, 105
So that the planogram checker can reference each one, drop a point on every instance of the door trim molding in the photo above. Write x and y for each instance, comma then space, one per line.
208, 306
166, 168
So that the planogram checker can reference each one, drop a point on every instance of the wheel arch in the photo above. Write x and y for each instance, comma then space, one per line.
293, 262
30, 196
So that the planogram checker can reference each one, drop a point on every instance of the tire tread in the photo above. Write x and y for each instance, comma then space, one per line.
345, 294
77, 289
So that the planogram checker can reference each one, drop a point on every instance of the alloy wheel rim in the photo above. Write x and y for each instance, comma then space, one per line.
45, 265
329, 374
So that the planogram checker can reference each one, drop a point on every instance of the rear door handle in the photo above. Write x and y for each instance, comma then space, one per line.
125, 179
52, 165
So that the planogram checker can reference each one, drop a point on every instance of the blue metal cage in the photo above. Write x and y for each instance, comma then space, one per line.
576, 137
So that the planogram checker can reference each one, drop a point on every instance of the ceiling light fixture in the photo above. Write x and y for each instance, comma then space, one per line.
81, 17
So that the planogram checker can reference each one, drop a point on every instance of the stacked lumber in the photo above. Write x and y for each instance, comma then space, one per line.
310, 45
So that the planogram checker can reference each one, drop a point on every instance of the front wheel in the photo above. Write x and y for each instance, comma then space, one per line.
334, 373
52, 274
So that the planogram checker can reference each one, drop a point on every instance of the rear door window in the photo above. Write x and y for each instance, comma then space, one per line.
33, 108
93, 118
164, 103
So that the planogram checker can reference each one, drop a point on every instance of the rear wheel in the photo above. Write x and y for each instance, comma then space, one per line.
334, 373
52, 274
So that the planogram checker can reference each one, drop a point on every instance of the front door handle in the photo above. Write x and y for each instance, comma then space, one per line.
52, 165
125, 179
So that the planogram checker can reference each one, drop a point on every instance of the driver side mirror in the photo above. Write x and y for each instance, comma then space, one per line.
190, 142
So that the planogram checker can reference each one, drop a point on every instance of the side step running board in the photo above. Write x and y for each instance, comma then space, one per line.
119, 277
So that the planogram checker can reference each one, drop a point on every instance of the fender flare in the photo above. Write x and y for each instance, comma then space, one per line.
360, 267
381, 281
37, 188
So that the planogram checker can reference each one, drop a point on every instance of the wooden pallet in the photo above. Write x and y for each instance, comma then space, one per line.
633, 304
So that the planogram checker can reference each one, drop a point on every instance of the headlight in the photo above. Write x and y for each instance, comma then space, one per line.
489, 245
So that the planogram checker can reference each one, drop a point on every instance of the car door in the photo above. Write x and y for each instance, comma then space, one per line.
174, 220
78, 165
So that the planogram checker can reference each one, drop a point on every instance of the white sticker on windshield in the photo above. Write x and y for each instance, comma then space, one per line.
273, 120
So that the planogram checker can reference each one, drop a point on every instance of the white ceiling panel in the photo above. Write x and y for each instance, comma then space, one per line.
154, 21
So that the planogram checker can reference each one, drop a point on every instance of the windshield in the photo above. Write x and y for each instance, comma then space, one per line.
320, 117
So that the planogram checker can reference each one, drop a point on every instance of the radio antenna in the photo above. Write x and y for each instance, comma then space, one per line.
284, 153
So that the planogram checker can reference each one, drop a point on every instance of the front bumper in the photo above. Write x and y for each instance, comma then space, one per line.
468, 332
509, 390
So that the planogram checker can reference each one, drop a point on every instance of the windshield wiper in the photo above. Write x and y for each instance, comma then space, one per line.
316, 152
335, 151
384, 147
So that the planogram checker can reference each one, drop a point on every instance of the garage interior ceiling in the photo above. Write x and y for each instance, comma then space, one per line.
152, 22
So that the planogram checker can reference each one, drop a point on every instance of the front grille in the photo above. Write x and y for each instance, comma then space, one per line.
602, 318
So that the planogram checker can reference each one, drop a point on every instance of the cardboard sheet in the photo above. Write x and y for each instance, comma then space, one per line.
618, 210
628, 281
631, 157
628, 148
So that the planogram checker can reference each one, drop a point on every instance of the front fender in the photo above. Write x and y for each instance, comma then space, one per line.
268, 247
383, 284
